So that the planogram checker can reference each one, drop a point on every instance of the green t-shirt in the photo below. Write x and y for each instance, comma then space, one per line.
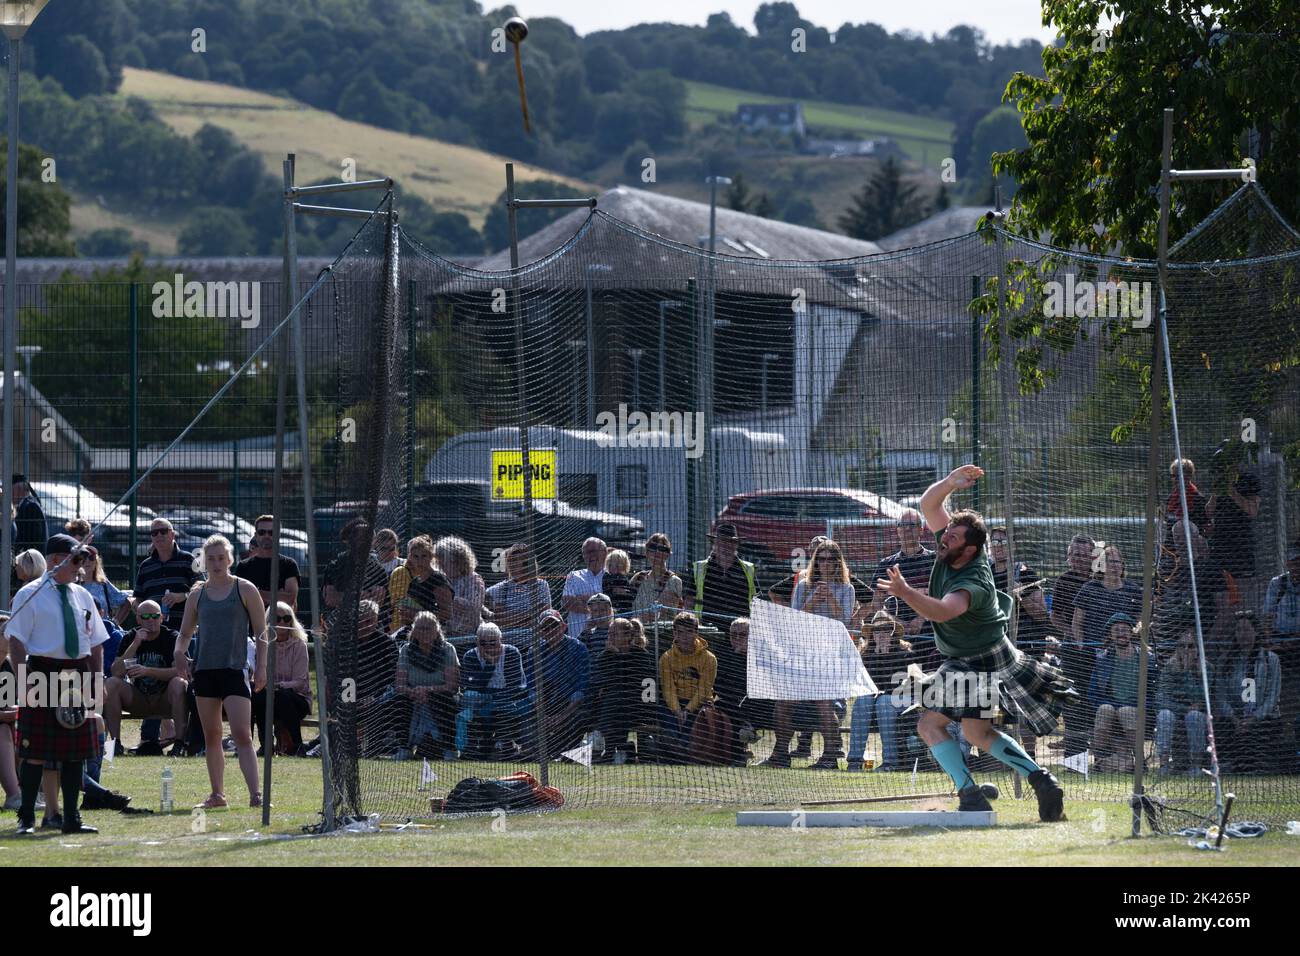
984, 622
1124, 679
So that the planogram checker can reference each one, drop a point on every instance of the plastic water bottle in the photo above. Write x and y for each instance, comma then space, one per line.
167, 777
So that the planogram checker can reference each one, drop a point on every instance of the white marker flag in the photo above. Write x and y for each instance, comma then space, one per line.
1078, 763
427, 776
581, 754
798, 656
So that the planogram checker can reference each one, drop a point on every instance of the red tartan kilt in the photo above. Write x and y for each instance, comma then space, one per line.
41, 736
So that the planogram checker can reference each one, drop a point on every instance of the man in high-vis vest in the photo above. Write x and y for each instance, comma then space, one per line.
724, 585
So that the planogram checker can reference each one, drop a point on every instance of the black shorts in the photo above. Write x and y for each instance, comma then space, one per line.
222, 683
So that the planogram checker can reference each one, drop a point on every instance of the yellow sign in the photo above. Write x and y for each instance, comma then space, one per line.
508, 473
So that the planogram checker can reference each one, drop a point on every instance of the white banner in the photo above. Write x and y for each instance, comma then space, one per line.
794, 655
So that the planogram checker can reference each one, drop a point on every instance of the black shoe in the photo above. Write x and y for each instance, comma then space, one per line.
148, 748
26, 826
53, 823
74, 825
973, 799
804, 747
776, 762
1051, 798
825, 762
105, 800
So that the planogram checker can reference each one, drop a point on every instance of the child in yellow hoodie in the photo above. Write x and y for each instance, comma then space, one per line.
686, 674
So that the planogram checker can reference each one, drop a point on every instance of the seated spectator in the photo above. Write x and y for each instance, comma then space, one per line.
582, 583
1281, 618
1195, 500
1025, 587
518, 601
686, 674
824, 588
355, 565
600, 612
621, 672
385, 545
783, 591
416, 567
559, 681
1248, 685
1113, 694
747, 714
29, 565
1181, 699
292, 683
658, 590
428, 675
455, 558
144, 680
618, 581
8, 726
886, 657
382, 715
493, 688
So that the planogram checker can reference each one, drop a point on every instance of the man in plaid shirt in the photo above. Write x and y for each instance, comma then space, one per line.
981, 666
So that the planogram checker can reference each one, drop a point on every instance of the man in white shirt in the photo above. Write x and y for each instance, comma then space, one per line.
582, 584
56, 629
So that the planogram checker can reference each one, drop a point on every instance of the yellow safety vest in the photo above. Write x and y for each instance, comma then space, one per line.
702, 566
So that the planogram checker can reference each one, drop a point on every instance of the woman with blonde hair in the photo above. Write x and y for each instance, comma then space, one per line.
658, 590
292, 683
226, 610
29, 565
519, 600
416, 567
617, 582
456, 559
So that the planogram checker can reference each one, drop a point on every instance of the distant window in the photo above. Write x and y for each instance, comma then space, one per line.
632, 481
578, 490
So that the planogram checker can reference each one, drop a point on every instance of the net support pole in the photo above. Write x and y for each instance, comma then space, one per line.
512, 218
976, 412
134, 401
304, 463
411, 311
1149, 555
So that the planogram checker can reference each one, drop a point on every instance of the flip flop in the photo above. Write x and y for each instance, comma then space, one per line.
214, 802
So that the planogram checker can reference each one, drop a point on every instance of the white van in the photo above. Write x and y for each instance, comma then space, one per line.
646, 482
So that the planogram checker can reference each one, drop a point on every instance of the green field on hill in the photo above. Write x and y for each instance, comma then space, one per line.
926, 140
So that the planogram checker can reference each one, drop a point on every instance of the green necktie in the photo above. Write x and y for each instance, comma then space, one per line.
71, 646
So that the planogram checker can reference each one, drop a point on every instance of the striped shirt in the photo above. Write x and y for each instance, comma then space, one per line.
156, 577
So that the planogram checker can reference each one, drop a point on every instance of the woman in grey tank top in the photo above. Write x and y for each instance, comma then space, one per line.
226, 610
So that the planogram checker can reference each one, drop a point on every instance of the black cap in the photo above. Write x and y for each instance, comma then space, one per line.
726, 530
20, 479
62, 544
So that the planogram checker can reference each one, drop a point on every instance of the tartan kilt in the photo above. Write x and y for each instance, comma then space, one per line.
41, 736
1027, 688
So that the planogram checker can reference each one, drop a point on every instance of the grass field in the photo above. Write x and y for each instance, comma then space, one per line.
924, 139
1095, 835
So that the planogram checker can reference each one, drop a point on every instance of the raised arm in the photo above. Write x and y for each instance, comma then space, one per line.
933, 501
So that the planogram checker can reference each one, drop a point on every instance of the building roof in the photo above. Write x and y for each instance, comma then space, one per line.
946, 224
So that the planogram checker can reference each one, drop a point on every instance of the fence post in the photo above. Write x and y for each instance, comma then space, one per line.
976, 412
134, 425
410, 405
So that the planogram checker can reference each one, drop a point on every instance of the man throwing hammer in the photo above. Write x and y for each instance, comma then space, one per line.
980, 665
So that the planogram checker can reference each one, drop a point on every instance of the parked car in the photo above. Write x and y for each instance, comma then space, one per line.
466, 509
194, 525
61, 501
775, 526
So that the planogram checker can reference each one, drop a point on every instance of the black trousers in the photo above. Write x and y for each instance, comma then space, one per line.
290, 708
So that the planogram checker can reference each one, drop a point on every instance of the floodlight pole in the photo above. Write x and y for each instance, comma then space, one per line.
1161, 354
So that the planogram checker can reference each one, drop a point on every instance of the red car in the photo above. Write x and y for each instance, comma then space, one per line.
775, 526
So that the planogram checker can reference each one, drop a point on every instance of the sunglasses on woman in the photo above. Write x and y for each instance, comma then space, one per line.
284, 619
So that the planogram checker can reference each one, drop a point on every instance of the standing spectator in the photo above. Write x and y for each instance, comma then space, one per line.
226, 610
886, 656
493, 688
686, 674
1195, 500
1281, 617
1232, 539
257, 566
823, 589
166, 574
600, 612
145, 679
1181, 699
339, 573
560, 676
1173, 612
1099, 600
1031, 611
618, 581
1076, 660
619, 680
428, 674
747, 714
456, 559
658, 589
1113, 694
292, 683
1249, 687
518, 601
914, 561
583, 583
31, 529
723, 585
55, 629
385, 545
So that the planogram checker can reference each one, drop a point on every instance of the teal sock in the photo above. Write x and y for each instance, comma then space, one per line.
1013, 755
948, 755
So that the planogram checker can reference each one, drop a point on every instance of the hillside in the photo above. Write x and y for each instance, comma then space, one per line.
451, 178
926, 140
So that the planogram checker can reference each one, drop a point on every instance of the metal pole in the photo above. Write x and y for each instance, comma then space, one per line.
11, 324
694, 533
27, 414
591, 358
134, 438
976, 412
304, 461
522, 386
410, 407
635, 355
